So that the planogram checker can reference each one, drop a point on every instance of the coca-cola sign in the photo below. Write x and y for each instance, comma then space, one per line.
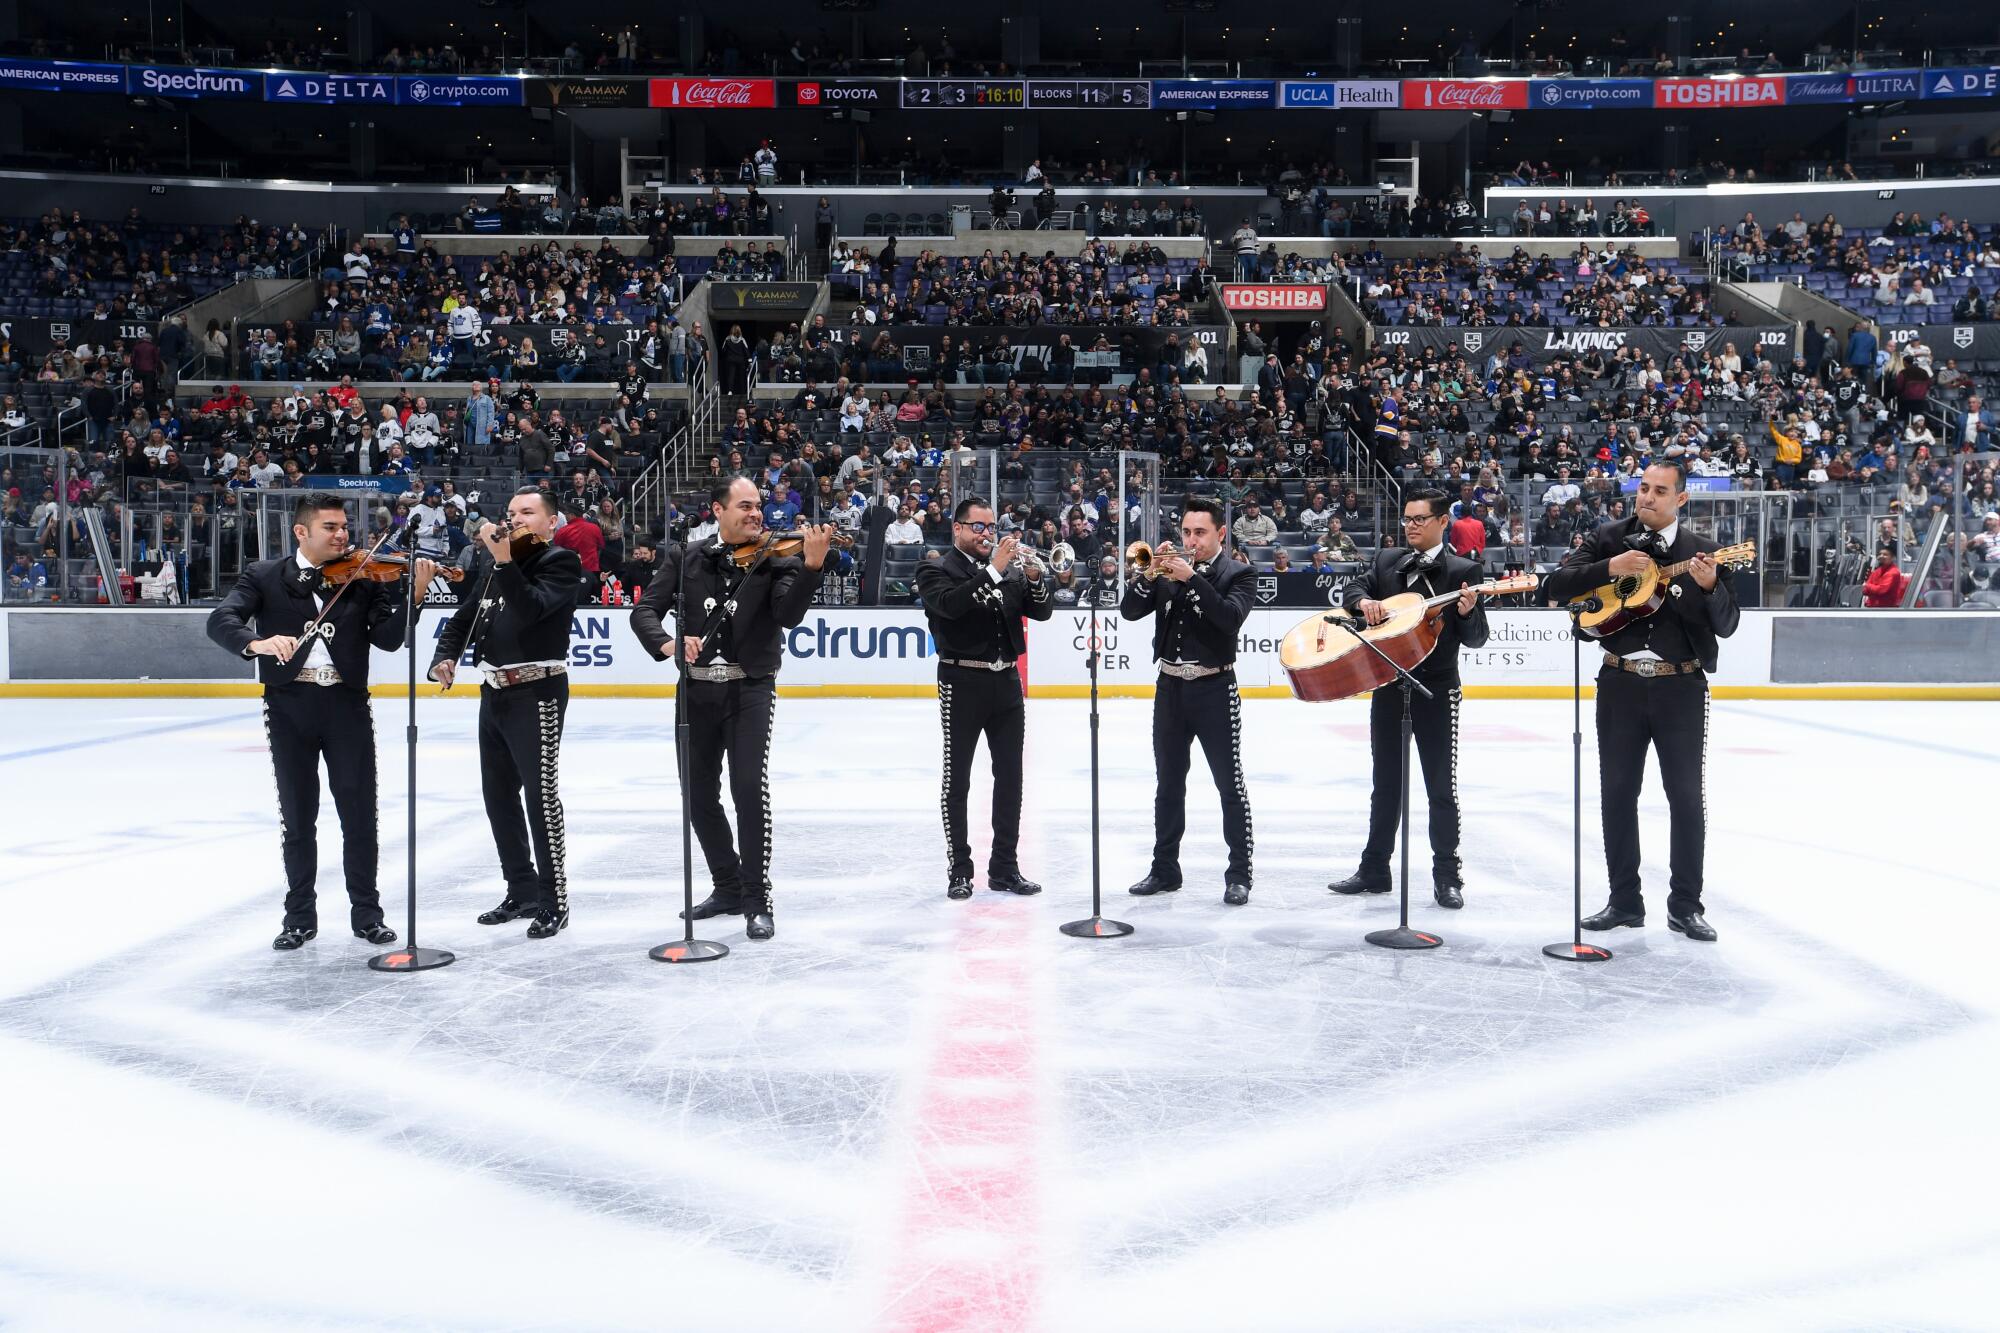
715, 94
1466, 94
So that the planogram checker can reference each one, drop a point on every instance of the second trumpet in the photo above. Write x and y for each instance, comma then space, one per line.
1145, 561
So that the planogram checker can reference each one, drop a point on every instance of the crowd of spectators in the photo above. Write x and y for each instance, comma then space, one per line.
1914, 269
1100, 284
1604, 287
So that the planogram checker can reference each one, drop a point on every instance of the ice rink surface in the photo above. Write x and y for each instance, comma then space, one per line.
911, 1113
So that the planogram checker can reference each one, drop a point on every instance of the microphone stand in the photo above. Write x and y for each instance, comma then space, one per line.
1574, 950
686, 949
410, 958
1096, 926
1402, 937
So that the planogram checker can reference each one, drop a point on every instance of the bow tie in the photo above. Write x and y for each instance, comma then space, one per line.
302, 579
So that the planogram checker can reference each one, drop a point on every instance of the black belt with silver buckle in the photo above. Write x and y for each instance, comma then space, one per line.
501, 678
970, 665
1190, 670
1649, 668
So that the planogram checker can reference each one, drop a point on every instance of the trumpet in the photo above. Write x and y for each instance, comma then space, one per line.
1061, 556
1146, 561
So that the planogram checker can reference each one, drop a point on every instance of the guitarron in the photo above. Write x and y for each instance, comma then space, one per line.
1323, 660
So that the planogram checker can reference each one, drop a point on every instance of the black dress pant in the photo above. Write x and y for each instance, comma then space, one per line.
1671, 714
520, 747
972, 703
1208, 710
732, 720
304, 723
1434, 723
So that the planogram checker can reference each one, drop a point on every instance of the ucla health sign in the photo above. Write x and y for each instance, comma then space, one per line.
1341, 94
1589, 94
329, 88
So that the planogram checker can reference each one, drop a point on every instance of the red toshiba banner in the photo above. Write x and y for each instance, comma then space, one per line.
1466, 94
1278, 296
715, 94
1693, 94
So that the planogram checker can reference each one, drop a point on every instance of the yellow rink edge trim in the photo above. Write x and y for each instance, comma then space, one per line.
232, 689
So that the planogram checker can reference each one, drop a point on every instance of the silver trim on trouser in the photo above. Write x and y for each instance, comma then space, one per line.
548, 725
944, 783
1457, 697
764, 782
270, 745
1236, 763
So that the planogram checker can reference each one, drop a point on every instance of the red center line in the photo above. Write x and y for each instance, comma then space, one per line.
968, 1243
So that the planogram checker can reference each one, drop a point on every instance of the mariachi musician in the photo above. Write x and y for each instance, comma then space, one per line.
1424, 564
974, 597
1653, 690
738, 611
311, 644
1198, 598
517, 627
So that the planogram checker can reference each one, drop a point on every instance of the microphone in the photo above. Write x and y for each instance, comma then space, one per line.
1590, 603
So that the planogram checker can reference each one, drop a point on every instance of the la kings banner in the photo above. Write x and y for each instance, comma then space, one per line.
1773, 343
1977, 342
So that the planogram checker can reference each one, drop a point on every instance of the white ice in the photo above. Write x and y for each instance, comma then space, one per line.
912, 1113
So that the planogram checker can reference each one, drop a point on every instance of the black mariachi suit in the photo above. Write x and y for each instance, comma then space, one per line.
1196, 623
1434, 721
303, 722
515, 614
730, 718
974, 619
1669, 712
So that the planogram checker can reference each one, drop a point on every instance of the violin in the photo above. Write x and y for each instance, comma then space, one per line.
782, 546
355, 565
522, 543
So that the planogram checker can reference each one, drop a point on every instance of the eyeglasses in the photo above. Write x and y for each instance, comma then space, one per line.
980, 529
1412, 520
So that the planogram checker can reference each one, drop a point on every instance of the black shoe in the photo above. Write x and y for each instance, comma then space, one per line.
376, 934
1363, 881
1694, 925
960, 887
508, 910
1153, 884
716, 904
1010, 881
291, 937
546, 924
1449, 892
1236, 893
1612, 917
759, 926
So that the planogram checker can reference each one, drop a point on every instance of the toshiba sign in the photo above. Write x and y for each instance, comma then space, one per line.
1679, 93
1283, 296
